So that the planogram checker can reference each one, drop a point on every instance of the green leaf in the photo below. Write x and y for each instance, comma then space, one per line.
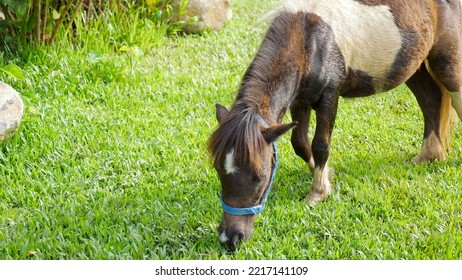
94, 57
61, 9
55, 14
30, 24
124, 48
21, 11
151, 3
13, 71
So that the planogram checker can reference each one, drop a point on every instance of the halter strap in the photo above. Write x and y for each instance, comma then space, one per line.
257, 209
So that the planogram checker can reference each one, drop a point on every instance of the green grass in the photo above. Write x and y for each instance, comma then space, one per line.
110, 162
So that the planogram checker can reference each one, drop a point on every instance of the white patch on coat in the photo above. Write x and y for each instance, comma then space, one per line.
311, 164
321, 187
366, 35
230, 168
321, 182
223, 238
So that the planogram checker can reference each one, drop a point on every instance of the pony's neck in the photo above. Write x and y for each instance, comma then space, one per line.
271, 103
272, 80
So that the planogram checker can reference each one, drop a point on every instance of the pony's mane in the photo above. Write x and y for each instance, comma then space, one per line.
239, 131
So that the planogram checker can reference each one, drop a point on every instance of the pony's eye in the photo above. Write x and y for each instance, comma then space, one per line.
256, 178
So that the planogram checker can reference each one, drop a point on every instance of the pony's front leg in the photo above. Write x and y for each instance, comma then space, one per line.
326, 112
299, 139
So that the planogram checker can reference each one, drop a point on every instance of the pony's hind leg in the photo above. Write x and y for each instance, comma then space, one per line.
299, 138
445, 65
429, 96
447, 70
445, 58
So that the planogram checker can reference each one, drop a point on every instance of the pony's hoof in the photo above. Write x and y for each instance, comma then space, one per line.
425, 159
418, 160
314, 198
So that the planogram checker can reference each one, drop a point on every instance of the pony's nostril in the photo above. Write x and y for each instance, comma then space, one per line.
237, 237
232, 239
231, 236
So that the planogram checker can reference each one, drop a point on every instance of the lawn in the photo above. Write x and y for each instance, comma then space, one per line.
110, 162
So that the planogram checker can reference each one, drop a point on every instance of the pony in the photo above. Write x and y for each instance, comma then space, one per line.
313, 53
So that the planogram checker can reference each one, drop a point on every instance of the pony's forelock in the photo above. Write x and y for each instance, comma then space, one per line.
239, 132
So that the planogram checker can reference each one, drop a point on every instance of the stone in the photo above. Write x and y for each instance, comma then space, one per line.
210, 13
11, 111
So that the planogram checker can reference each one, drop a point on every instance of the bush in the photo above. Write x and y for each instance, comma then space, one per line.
35, 20
40, 21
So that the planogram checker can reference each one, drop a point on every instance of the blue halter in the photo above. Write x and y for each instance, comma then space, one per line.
257, 209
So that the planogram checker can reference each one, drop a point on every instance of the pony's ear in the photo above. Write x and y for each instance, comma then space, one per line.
221, 113
272, 133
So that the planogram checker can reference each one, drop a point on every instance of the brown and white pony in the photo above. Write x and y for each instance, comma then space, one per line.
316, 51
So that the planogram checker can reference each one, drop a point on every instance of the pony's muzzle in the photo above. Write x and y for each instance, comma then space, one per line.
235, 229
231, 238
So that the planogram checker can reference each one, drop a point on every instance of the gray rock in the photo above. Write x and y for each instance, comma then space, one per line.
11, 111
210, 13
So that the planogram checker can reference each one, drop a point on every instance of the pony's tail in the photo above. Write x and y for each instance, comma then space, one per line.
447, 113
448, 116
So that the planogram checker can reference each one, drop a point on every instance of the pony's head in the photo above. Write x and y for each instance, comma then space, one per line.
245, 158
